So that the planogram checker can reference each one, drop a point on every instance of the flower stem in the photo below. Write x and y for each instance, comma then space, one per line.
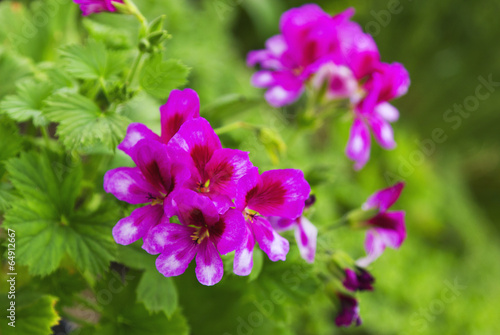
135, 66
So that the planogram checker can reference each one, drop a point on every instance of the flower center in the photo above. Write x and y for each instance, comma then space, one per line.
200, 234
156, 200
249, 214
203, 188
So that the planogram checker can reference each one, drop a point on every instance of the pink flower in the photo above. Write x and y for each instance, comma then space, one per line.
181, 106
358, 280
203, 234
349, 311
386, 228
306, 233
308, 39
374, 111
274, 193
96, 6
215, 171
154, 181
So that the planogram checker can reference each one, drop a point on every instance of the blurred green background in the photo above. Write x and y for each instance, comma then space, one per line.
445, 278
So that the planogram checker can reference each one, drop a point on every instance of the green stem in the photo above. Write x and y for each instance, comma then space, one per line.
45, 134
137, 13
135, 66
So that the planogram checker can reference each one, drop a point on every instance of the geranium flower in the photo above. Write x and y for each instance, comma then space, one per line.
181, 106
202, 233
374, 112
386, 228
358, 280
155, 180
215, 171
96, 6
306, 233
349, 311
274, 193
307, 39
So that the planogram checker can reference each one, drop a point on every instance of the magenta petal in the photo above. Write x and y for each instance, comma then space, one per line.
282, 224
164, 234
129, 185
395, 81
225, 169
358, 145
385, 198
154, 162
243, 258
180, 107
262, 79
382, 131
176, 257
306, 236
279, 193
374, 246
209, 267
286, 90
387, 111
245, 184
135, 133
136, 226
391, 227
234, 228
275, 246
194, 209
194, 144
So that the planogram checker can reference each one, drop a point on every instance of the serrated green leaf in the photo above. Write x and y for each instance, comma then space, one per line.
159, 77
47, 224
124, 317
82, 123
157, 292
111, 36
92, 61
35, 315
27, 103
13, 67
10, 139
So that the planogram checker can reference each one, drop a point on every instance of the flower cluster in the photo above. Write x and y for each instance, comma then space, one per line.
384, 229
334, 55
221, 200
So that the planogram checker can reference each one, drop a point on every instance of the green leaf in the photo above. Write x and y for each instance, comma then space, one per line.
10, 139
124, 317
35, 315
82, 123
157, 292
159, 77
92, 61
47, 224
111, 36
27, 103
13, 67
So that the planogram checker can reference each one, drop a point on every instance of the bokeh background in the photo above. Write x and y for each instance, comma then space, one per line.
445, 278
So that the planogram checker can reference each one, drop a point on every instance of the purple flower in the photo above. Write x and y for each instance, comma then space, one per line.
202, 233
214, 171
305, 232
307, 39
279, 193
180, 107
386, 228
96, 6
374, 112
155, 180
349, 311
358, 280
